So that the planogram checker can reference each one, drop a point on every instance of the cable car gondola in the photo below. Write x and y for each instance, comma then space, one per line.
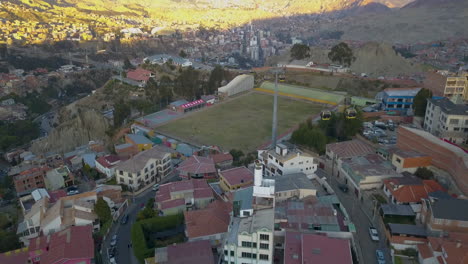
325, 115
350, 113
281, 77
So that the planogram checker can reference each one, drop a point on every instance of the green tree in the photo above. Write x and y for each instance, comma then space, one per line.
188, 83
236, 155
102, 210
300, 51
128, 65
424, 173
216, 77
121, 112
342, 54
420, 101
8, 241
182, 54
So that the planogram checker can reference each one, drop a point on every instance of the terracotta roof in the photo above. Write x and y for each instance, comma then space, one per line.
237, 175
139, 75
350, 148
172, 203
197, 165
212, 220
221, 157
412, 193
107, 161
425, 251
72, 243
193, 252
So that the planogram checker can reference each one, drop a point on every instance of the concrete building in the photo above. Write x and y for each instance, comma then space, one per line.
365, 172
145, 168
457, 86
141, 142
409, 160
302, 248
197, 167
250, 239
235, 178
239, 84
447, 120
59, 178
444, 155
346, 149
106, 164
177, 197
28, 180
445, 215
399, 98
295, 185
286, 159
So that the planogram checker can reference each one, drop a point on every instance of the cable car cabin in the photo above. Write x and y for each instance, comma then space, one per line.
282, 78
326, 115
350, 113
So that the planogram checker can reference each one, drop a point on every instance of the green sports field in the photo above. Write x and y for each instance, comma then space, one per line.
304, 92
241, 123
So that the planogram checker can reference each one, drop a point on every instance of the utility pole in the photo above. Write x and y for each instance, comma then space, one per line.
275, 112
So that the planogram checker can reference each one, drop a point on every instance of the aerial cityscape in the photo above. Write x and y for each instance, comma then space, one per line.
234, 132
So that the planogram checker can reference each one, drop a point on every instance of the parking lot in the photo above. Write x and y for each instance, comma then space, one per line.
380, 132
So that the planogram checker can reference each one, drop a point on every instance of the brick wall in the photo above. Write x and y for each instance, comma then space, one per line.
442, 154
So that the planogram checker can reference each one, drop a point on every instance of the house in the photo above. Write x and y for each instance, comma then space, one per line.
235, 178
404, 236
239, 84
286, 159
445, 215
193, 252
28, 180
457, 85
59, 178
177, 197
141, 142
451, 249
72, 245
397, 211
197, 167
410, 190
145, 168
302, 248
399, 98
444, 155
242, 202
250, 239
222, 160
365, 172
447, 119
409, 160
106, 164
209, 224
126, 150
295, 185
140, 75
346, 149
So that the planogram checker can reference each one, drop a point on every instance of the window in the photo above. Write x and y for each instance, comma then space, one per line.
146, 169
246, 255
281, 164
292, 163
301, 162
246, 244
264, 246
152, 166
120, 172
225, 252
264, 237
139, 173
398, 160
232, 253
453, 121
254, 245
263, 257
130, 182
456, 129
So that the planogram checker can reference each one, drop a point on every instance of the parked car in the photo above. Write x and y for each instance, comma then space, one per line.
343, 187
124, 219
380, 256
113, 241
112, 260
72, 190
112, 252
155, 187
373, 234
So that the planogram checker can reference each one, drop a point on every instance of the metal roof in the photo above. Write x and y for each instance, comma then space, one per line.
402, 229
397, 209
449, 107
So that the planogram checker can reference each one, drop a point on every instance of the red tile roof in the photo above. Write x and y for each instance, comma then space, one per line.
193, 252
199, 188
108, 161
351, 148
237, 175
139, 75
197, 165
221, 157
212, 220
312, 248
74, 243
411, 193
56, 195
172, 203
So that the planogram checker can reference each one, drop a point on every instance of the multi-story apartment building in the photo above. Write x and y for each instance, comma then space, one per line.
457, 85
446, 119
145, 168
250, 239
29, 180
286, 159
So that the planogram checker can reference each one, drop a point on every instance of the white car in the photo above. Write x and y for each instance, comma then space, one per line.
373, 234
155, 187
112, 261
113, 241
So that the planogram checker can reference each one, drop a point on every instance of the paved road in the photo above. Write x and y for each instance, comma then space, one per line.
124, 253
357, 210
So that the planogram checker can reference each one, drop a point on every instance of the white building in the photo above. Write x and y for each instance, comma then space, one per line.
447, 119
106, 164
239, 84
286, 159
250, 239
145, 168
58, 178
163, 58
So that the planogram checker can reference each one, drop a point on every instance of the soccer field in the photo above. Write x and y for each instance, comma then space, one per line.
306, 92
242, 123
